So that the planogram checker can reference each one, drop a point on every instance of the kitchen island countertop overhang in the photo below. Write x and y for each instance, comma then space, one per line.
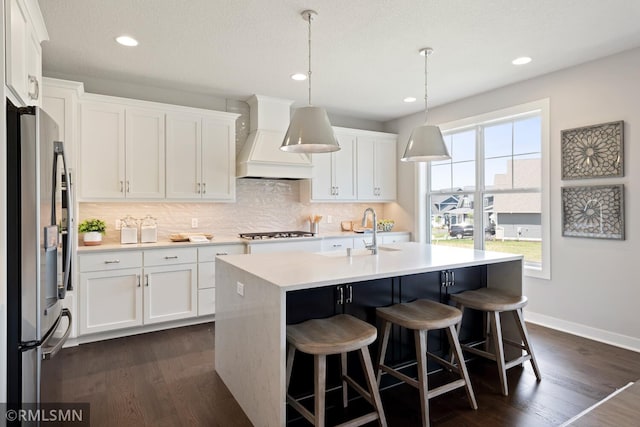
251, 306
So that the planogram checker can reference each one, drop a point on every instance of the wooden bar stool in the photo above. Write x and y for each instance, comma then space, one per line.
335, 335
494, 302
422, 316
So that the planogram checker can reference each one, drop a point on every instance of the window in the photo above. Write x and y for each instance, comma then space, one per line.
500, 160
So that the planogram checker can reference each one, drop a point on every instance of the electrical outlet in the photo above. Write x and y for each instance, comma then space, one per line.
194, 222
329, 219
240, 288
118, 224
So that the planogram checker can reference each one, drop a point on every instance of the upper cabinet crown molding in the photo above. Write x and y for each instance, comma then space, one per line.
37, 20
50, 83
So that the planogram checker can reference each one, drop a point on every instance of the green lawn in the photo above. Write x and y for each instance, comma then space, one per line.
532, 251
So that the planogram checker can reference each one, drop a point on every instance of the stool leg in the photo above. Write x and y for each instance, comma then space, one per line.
457, 350
345, 392
382, 349
320, 368
496, 331
458, 327
421, 356
487, 326
369, 374
291, 352
517, 314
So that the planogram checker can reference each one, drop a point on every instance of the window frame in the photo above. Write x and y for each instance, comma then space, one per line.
478, 122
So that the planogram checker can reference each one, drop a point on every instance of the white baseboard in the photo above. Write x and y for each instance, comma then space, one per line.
607, 337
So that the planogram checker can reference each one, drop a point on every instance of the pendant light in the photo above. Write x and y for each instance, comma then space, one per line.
309, 130
425, 143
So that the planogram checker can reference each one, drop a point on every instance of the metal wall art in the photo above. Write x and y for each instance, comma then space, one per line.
594, 211
593, 151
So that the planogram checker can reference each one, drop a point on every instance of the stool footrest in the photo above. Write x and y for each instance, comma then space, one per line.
479, 352
517, 361
301, 409
360, 420
444, 363
445, 388
357, 387
514, 343
399, 375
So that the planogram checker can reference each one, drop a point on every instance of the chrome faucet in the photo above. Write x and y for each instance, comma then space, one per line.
373, 247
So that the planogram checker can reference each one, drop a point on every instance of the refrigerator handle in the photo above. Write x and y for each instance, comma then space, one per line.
49, 352
59, 151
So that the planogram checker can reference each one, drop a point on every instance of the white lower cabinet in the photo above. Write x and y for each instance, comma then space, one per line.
124, 289
207, 274
170, 292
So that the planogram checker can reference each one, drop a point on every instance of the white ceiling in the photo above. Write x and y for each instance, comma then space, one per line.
364, 52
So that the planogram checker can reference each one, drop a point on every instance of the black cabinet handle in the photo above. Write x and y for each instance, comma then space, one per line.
350, 297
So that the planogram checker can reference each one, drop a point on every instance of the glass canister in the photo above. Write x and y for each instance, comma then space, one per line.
149, 230
128, 230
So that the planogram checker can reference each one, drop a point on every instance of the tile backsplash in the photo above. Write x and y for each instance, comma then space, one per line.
261, 205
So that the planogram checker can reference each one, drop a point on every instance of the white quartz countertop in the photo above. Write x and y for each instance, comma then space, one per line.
219, 240
300, 270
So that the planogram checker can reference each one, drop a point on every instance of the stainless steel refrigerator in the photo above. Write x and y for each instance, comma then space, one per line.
39, 220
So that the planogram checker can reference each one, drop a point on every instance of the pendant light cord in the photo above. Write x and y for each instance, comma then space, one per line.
309, 18
426, 108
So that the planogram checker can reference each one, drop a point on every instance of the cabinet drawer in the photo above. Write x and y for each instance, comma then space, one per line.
110, 261
398, 238
170, 256
206, 301
337, 244
209, 253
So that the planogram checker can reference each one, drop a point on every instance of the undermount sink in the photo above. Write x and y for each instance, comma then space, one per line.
357, 252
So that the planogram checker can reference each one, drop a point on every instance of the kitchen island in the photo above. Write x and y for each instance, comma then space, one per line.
258, 295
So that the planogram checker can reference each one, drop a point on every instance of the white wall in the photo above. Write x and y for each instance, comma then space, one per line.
594, 288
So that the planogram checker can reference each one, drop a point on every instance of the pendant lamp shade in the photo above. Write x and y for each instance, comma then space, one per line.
425, 143
309, 130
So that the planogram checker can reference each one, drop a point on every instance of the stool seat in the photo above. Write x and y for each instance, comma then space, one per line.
334, 335
421, 315
486, 299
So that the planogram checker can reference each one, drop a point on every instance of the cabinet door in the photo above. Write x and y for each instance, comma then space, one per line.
365, 167
34, 70
102, 151
385, 169
184, 144
170, 292
322, 186
17, 34
110, 300
344, 168
218, 160
144, 154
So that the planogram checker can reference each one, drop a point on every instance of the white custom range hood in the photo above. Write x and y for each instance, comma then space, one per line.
261, 156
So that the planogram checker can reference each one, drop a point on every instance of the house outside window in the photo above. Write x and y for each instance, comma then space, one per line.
501, 160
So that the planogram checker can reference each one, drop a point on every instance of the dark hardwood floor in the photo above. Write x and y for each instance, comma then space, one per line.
167, 378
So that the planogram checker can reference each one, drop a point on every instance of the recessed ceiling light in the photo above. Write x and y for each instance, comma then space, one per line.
299, 77
521, 61
409, 99
127, 41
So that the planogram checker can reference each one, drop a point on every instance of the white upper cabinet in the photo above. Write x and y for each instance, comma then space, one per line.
24, 31
102, 151
200, 157
121, 152
140, 150
364, 169
334, 173
376, 166
144, 154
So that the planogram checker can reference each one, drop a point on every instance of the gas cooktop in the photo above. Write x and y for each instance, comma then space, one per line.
275, 235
